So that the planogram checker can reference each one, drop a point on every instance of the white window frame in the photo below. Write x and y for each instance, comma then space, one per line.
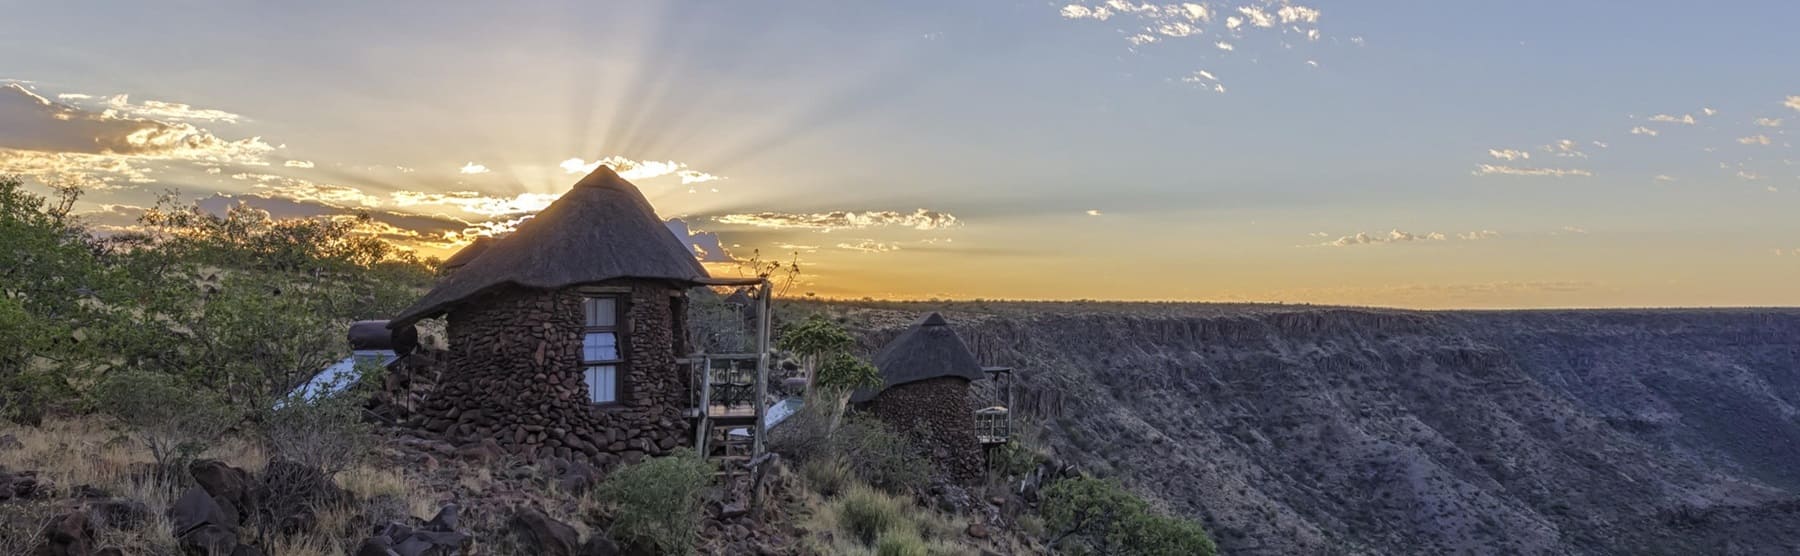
593, 370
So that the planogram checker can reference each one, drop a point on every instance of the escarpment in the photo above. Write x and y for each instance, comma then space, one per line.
1299, 430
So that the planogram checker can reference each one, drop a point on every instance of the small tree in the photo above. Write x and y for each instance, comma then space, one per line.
326, 431
174, 420
839, 376
815, 341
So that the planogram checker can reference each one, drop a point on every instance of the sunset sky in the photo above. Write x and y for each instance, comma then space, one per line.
1413, 154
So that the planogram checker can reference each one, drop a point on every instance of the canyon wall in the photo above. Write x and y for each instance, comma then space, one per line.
1302, 430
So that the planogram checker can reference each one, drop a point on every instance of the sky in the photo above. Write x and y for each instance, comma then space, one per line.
1411, 154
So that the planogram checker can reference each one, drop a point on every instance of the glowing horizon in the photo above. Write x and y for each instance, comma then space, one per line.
1256, 151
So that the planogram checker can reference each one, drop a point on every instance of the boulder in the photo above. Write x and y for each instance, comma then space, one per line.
600, 545
230, 486
70, 534
446, 520
209, 539
196, 509
375, 546
540, 534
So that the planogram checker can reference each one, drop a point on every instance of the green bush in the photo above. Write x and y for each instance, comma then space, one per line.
881, 456
656, 503
327, 432
901, 543
1093, 516
868, 514
827, 476
174, 420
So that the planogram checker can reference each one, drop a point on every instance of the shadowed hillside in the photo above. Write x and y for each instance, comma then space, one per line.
1332, 430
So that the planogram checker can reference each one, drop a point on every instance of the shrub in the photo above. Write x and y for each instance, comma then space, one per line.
827, 476
327, 432
1088, 515
868, 514
656, 503
901, 543
174, 420
881, 456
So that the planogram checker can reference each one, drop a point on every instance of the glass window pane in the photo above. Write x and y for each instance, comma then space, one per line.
600, 346
602, 383
601, 311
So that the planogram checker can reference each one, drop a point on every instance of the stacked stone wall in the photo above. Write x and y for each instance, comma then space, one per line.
515, 376
935, 414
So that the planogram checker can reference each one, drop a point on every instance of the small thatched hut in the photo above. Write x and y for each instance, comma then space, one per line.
564, 335
925, 375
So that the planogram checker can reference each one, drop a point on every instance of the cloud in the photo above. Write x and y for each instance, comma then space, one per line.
298, 164
473, 168
1509, 154
1757, 139
1393, 236
1708, 111
920, 219
1793, 101
704, 245
1641, 130
1478, 235
1077, 11
1501, 170
408, 230
1575, 229
159, 110
53, 141
1768, 122
1093, 212
1564, 148
870, 246
1166, 25
477, 203
1665, 118
639, 169
307, 190
1664, 178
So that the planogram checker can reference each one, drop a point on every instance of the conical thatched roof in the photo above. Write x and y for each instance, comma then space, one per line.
468, 253
603, 228
930, 349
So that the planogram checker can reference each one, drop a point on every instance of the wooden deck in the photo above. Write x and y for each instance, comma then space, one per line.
735, 414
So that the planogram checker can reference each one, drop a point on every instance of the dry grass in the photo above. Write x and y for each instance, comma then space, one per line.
867, 521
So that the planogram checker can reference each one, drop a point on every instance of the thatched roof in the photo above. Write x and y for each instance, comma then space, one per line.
603, 228
468, 253
930, 349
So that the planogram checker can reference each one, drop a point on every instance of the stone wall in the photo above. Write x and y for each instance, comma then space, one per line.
515, 376
937, 415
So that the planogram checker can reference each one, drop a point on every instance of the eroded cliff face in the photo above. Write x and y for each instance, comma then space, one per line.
1329, 431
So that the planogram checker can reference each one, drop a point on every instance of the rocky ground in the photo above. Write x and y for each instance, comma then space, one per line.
1321, 430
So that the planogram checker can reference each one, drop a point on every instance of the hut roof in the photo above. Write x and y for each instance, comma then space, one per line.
930, 349
467, 253
603, 228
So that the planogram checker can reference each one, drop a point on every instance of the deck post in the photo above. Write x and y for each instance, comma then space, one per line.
705, 404
763, 308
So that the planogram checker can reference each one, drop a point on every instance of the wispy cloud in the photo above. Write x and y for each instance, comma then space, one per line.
1758, 139
54, 141
1146, 24
476, 203
1503, 170
1478, 235
920, 219
704, 245
640, 169
869, 246
1564, 148
1793, 101
473, 168
1641, 130
1509, 154
1393, 236
298, 164
1768, 122
1665, 118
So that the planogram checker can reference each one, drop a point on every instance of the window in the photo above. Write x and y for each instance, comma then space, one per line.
601, 353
